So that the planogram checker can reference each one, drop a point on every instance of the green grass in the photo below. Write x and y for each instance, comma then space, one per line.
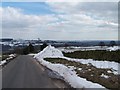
109, 83
96, 55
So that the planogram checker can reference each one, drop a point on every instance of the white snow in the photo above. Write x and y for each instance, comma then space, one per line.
12, 55
89, 69
68, 74
31, 54
72, 68
113, 48
2, 62
79, 69
72, 48
109, 71
52, 52
105, 76
99, 64
91, 75
49, 51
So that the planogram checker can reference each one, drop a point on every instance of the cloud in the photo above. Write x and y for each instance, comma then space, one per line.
70, 21
103, 10
15, 22
15, 18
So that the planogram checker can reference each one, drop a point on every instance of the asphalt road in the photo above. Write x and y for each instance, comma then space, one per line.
25, 72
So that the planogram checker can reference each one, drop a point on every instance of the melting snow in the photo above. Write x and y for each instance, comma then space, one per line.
2, 62
109, 71
113, 48
80, 69
105, 76
69, 75
99, 64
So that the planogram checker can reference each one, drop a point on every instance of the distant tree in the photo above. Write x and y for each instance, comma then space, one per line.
112, 43
43, 46
28, 49
18, 50
101, 44
66, 45
31, 48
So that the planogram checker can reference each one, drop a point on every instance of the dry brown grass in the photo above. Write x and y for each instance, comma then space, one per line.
91, 73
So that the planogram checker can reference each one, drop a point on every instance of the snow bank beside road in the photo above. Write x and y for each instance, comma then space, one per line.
68, 74
11, 56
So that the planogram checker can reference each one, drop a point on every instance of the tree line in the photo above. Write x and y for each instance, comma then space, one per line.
112, 43
30, 49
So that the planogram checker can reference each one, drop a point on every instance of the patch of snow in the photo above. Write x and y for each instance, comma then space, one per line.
98, 64
49, 51
12, 55
116, 72
105, 76
9, 58
113, 48
31, 54
72, 68
80, 69
89, 69
73, 48
109, 71
91, 75
2, 62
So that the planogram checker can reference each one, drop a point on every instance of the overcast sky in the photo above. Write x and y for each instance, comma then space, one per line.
60, 20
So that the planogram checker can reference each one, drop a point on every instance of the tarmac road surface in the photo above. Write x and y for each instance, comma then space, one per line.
25, 72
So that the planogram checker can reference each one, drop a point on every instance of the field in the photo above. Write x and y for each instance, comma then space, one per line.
104, 77
96, 55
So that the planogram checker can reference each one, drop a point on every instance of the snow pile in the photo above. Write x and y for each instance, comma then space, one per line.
98, 64
49, 51
68, 73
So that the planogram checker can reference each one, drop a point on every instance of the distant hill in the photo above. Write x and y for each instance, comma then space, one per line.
6, 39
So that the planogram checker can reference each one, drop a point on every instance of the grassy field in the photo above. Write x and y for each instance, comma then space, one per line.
96, 55
90, 72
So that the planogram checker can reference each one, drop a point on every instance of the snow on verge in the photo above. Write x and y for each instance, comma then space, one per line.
2, 62
69, 75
